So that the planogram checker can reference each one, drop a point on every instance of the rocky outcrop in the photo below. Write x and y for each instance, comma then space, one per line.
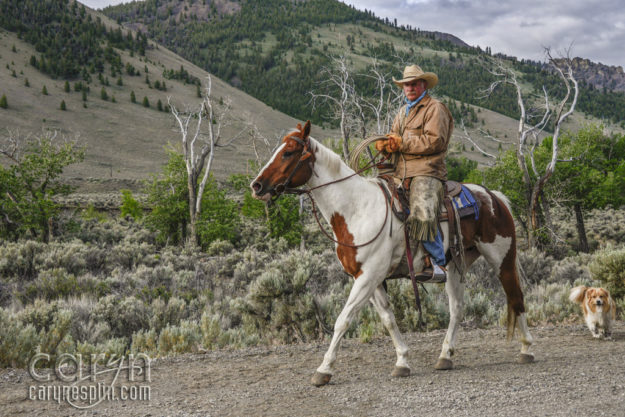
599, 75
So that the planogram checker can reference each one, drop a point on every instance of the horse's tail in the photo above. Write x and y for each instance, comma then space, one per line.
511, 280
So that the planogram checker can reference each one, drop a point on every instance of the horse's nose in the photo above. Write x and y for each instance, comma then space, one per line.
257, 187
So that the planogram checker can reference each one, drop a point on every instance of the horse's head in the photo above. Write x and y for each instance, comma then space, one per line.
290, 166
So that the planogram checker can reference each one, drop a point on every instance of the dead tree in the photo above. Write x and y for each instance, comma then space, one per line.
199, 147
528, 133
338, 92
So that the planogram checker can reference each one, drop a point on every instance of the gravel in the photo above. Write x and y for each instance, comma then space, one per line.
573, 374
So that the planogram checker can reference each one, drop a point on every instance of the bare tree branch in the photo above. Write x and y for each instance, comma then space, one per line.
468, 137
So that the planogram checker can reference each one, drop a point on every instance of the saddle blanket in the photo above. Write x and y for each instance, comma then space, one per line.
465, 204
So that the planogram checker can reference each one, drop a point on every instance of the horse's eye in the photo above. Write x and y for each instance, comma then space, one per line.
287, 154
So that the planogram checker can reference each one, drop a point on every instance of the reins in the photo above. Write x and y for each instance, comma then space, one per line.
285, 189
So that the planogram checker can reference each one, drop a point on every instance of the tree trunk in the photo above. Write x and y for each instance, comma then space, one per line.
548, 220
193, 238
581, 229
302, 243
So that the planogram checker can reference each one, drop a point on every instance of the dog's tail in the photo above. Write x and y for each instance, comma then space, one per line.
577, 294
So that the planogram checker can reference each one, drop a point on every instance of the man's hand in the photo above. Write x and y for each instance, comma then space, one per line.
390, 145
393, 143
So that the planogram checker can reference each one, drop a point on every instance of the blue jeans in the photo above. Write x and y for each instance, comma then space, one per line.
436, 248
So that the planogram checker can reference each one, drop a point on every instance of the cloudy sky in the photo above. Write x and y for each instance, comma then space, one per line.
594, 28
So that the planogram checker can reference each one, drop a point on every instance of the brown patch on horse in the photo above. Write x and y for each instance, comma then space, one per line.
496, 220
346, 255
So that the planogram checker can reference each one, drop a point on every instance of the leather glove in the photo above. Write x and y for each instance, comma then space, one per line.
393, 143
380, 145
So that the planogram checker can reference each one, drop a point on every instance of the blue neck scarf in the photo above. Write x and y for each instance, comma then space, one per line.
411, 104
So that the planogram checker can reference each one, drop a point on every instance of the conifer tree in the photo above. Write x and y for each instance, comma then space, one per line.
44, 90
146, 102
63, 106
66, 87
3, 102
103, 94
159, 105
133, 99
26, 83
84, 95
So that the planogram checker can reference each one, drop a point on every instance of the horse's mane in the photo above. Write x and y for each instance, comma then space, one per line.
327, 157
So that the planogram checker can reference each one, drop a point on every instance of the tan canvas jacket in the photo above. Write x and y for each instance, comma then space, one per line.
425, 134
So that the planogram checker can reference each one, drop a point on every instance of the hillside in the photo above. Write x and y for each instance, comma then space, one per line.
276, 63
124, 140
276, 50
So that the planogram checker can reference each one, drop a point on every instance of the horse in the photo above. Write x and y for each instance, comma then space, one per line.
370, 246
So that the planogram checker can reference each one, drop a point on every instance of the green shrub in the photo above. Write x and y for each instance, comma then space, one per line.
219, 217
130, 206
179, 339
18, 259
608, 266
111, 348
124, 316
20, 340
51, 285
145, 341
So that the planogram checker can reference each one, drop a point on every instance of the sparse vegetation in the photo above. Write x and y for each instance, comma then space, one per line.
109, 285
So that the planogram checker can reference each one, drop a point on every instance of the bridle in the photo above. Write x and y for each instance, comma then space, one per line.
284, 188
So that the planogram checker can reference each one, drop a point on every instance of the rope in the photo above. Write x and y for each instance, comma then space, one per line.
354, 156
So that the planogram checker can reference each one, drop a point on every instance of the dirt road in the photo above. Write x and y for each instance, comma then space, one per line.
574, 374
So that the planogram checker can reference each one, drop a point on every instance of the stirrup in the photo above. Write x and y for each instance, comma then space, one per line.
436, 274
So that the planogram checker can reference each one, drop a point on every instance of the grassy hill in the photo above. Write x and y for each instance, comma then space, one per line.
124, 141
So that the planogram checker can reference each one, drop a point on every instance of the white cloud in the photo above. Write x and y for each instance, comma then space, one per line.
596, 29
520, 28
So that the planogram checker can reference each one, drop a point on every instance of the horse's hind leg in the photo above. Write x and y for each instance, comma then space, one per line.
501, 255
383, 307
455, 293
526, 340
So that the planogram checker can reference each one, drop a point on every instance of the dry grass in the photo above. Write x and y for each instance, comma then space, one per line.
125, 140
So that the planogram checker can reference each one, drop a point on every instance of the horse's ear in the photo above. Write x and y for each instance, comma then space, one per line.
299, 127
307, 129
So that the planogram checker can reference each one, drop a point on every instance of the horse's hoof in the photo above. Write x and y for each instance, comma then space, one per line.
400, 372
320, 379
443, 364
526, 358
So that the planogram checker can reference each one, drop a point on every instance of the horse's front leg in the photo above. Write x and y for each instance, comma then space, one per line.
455, 293
363, 289
383, 307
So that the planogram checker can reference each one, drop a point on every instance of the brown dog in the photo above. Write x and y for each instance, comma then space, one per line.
598, 307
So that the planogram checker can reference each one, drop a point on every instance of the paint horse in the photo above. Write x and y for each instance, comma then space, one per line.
357, 210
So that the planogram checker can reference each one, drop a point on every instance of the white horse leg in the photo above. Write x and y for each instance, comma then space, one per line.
526, 340
383, 307
361, 291
455, 293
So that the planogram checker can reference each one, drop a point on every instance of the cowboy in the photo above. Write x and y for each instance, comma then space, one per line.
418, 139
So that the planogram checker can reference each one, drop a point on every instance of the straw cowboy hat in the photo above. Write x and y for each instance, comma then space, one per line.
414, 72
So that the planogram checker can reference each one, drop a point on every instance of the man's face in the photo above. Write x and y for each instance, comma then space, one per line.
413, 89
